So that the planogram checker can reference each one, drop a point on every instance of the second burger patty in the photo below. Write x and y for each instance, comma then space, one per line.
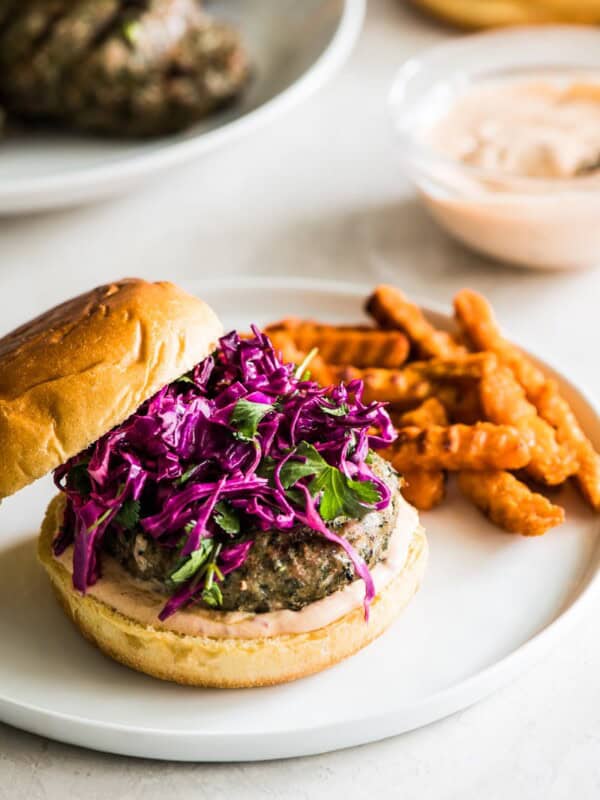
284, 569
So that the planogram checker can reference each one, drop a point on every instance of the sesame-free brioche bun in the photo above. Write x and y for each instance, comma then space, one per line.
83, 367
226, 662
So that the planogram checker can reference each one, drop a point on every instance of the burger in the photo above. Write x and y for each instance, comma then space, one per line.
221, 519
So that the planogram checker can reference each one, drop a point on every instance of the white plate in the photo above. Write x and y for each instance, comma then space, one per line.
491, 604
294, 47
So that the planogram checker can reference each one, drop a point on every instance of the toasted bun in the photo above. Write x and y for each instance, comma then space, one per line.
228, 662
72, 374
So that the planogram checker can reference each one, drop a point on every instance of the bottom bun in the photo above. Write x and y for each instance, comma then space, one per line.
229, 662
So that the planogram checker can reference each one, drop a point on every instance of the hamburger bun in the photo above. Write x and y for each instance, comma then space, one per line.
226, 662
78, 370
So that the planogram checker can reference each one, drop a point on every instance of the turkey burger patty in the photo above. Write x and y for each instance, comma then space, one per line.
284, 569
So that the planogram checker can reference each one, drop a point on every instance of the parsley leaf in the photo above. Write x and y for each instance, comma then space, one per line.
129, 514
193, 563
246, 417
226, 518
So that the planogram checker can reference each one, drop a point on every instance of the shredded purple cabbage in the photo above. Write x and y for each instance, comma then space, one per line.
212, 456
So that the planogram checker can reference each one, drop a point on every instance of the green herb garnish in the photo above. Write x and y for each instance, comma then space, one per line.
194, 561
129, 514
185, 379
246, 417
185, 476
226, 517
340, 495
79, 479
302, 373
202, 565
340, 411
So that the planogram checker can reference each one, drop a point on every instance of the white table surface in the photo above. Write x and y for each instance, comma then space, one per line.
318, 194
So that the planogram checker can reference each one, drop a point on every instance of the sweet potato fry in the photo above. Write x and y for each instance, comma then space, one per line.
555, 409
476, 318
504, 403
283, 342
456, 447
359, 346
461, 401
470, 366
425, 489
431, 412
391, 309
414, 382
510, 503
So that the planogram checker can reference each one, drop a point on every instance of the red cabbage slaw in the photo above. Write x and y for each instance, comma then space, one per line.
241, 444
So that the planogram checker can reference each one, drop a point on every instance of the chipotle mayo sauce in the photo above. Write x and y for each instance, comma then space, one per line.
140, 601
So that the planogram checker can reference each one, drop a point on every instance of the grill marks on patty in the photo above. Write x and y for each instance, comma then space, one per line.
284, 569
36, 84
27, 27
117, 66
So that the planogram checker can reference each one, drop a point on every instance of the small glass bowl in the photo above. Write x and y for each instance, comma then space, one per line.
531, 222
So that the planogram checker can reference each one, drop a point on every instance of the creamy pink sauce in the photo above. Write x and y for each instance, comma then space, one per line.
533, 127
138, 599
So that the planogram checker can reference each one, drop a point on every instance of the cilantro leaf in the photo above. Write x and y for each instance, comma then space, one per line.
226, 518
79, 479
246, 417
340, 411
212, 595
129, 514
185, 476
340, 496
313, 464
193, 563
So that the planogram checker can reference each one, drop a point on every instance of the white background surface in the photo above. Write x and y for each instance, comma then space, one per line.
318, 194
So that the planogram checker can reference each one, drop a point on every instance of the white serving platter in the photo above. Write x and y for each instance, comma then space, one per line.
492, 604
294, 48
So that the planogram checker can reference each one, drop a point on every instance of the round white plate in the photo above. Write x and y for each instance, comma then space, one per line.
295, 47
491, 604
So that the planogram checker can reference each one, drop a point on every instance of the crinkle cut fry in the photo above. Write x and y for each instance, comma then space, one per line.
391, 309
425, 489
342, 344
412, 383
477, 320
457, 447
555, 409
431, 412
504, 403
509, 503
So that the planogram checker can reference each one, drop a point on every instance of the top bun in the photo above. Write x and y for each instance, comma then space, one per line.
83, 367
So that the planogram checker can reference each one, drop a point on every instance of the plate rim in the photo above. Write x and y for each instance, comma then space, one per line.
217, 747
107, 178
